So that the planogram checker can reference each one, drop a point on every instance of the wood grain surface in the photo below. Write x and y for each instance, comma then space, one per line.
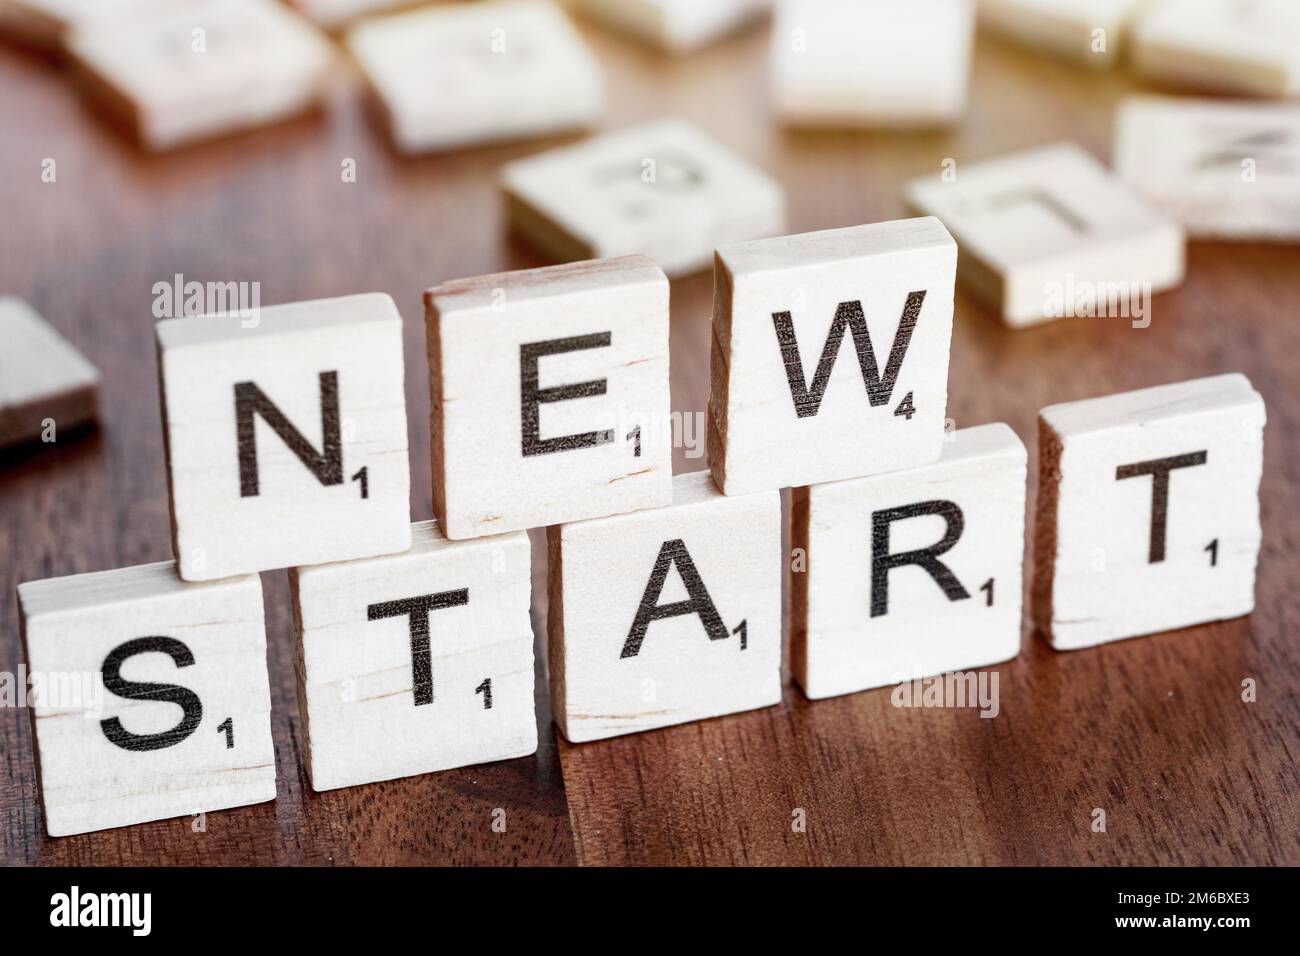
1153, 731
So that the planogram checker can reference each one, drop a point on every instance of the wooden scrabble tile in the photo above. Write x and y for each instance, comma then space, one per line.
913, 573
1247, 47
473, 73
1148, 510
830, 354
46, 385
1050, 233
549, 395
665, 190
675, 26
153, 697
1088, 33
666, 616
1225, 170
286, 436
335, 13
415, 662
204, 69
48, 24
886, 63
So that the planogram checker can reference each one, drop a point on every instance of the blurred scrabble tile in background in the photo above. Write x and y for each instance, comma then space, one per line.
830, 354
204, 69
156, 698
885, 63
47, 25
666, 616
415, 662
464, 74
1050, 233
331, 14
285, 435
665, 190
548, 391
1090, 33
912, 573
1246, 47
1148, 510
1225, 170
46, 386
675, 26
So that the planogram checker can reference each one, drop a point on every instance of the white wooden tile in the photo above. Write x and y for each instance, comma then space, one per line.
666, 616
1248, 47
156, 698
885, 63
47, 387
1045, 232
913, 573
1224, 169
665, 190
48, 24
675, 26
1148, 510
830, 354
1090, 33
549, 395
286, 440
205, 69
416, 662
335, 13
473, 73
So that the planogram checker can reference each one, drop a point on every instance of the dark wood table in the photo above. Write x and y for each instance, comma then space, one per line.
1153, 731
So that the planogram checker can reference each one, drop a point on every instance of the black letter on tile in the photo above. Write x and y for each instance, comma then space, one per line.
650, 610
327, 465
1159, 469
531, 397
1276, 145
882, 562
187, 700
417, 610
808, 398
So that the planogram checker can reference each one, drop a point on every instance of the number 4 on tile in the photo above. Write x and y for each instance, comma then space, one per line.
905, 408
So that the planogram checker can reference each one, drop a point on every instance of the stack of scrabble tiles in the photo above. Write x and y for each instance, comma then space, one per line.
286, 448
